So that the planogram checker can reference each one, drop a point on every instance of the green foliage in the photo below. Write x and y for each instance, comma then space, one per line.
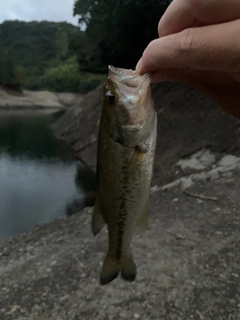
8, 76
67, 76
20, 74
117, 32
61, 57
41, 55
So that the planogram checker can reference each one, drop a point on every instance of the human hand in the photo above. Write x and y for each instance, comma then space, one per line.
199, 45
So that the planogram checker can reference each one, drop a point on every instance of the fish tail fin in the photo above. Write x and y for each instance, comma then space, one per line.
129, 269
112, 267
110, 270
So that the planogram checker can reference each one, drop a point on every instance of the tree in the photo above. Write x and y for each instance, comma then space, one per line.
66, 77
20, 75
7, 74
116, 31
38, 55
61, 41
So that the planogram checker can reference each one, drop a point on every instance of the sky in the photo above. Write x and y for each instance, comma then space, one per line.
28, 10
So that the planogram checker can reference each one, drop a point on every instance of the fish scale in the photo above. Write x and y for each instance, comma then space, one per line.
126, 148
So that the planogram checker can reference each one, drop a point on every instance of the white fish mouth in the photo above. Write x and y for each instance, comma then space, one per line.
128, 77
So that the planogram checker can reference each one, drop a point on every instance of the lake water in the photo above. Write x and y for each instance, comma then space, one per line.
39, 179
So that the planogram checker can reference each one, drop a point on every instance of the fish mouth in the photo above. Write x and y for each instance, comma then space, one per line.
128, 77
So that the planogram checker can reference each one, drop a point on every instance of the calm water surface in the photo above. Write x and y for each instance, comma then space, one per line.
38, 176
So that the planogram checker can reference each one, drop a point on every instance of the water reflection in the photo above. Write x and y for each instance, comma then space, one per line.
85, 180
28, 133
38, 177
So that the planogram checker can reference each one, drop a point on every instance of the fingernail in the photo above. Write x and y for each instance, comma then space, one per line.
138, 66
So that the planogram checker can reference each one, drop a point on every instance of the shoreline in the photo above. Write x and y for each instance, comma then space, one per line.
31, 108
37, 100
30, 111
188, 258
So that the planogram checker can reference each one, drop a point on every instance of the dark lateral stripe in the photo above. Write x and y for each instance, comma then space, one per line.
121, 226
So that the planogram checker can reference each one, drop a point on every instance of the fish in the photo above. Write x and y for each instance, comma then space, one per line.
127, 138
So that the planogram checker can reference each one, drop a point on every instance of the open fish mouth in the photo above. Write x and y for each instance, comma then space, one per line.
128, 77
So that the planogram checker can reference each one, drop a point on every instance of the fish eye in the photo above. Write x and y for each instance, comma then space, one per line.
111, 96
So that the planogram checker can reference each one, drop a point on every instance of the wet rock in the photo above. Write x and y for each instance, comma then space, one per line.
198, 161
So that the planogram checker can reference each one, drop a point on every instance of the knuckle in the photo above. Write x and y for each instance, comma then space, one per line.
185, 40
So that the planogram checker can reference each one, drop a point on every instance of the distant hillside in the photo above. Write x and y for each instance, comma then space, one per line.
38, 55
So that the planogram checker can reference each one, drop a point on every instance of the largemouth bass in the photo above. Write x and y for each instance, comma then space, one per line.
126, 147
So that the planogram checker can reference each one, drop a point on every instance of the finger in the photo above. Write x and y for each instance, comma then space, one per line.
214, 47
178, 16
161, 75
183, 14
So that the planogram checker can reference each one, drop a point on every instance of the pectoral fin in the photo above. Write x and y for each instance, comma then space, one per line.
97, 220
143, 221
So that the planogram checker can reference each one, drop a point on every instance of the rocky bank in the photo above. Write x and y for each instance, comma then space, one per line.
187, 122
188, 259
10, 99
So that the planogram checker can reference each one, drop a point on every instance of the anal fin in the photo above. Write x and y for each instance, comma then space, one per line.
97, 220
143, 221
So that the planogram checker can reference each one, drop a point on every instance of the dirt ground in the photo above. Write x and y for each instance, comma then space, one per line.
188, 260
188, 263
